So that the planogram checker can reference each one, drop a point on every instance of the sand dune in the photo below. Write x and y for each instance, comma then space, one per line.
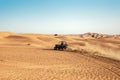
31, 57
4, 34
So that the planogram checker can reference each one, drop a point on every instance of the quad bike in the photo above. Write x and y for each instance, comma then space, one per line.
62, 45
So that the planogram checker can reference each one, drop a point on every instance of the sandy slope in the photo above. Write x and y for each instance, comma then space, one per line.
30, 57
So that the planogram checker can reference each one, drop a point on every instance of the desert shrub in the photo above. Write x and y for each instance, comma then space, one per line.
55, 34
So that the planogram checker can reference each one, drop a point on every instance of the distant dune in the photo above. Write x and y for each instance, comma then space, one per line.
90, 56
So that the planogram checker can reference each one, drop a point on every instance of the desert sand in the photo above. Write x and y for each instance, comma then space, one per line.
89, 56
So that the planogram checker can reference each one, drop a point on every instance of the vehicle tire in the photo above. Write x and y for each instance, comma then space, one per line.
55, 48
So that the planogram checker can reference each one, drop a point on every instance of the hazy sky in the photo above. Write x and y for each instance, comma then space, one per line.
60, 16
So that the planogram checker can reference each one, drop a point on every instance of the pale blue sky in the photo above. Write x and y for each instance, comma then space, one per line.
60, 16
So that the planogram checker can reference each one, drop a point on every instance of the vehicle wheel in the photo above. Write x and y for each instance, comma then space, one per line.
55, 48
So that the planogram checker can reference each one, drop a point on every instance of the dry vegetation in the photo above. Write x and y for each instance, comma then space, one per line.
90, 56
